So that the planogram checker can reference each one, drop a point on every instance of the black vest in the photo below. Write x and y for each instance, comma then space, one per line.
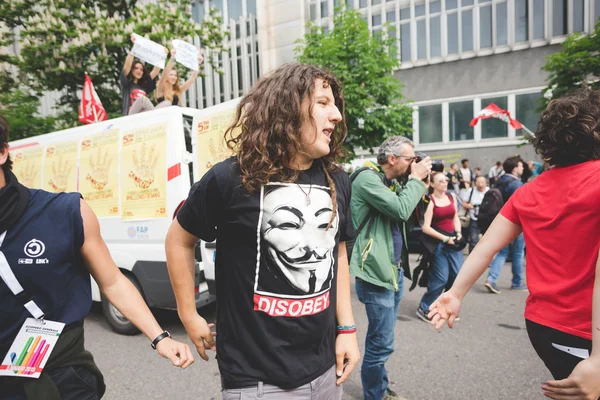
43, 251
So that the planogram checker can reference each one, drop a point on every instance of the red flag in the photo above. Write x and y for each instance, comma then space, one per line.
90, 109
493, 111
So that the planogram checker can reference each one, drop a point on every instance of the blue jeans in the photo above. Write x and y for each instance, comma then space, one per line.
518, 247
382, 309
445, 266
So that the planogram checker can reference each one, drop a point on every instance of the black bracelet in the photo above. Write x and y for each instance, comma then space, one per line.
160, 337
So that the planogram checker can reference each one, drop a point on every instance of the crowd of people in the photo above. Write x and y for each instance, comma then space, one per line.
292, 227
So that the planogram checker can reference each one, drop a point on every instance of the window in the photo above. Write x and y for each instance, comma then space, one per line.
538, 19
198, 11
453, 33
467, 30
421, 31
527, 114
452, 25
578, 12
324, 9
501, 24
460, 115
559, 17
435, 29
405, 42
493, 127
485, 26
376, 20
251, 7
521, 21
313, 12
375, 2
430, 124
363, 3
350, 4
596, 10
234, 9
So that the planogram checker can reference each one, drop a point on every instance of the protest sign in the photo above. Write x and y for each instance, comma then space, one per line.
149, 51
187, 54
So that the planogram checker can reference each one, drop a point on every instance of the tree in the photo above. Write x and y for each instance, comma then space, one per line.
575, 66
20, 110
62, 39
364, 65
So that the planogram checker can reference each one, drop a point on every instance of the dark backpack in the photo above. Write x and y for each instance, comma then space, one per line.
490, 207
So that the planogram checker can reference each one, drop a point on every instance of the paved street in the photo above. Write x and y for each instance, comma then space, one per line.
487, 356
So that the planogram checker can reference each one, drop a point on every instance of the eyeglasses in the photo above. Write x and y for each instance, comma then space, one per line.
409, 158
442, 180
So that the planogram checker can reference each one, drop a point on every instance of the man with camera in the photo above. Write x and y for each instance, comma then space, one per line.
381, 208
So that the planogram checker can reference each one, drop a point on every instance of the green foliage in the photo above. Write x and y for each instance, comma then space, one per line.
575, 66
20, 109
62, 39
364, 65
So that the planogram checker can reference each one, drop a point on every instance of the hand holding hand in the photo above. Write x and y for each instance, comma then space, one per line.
347, 356
445, 308
179, 353
582, 384
173, 53
201, 335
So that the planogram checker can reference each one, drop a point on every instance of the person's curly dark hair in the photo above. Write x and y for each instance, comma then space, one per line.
568, 131
4, 129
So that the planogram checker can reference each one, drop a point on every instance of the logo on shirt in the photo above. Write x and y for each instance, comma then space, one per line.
295, 264
34, 249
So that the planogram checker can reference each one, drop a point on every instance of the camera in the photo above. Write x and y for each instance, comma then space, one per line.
436, 165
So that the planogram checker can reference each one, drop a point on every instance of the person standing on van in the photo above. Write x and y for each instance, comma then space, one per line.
558, 214
280, 212
135, 81
381, 208
169, 91
49, 245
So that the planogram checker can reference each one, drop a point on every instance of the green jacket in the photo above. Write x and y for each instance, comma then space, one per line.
373, 254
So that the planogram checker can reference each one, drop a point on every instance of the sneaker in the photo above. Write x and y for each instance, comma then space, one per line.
423, 315
520, 287
391, 395
491, 286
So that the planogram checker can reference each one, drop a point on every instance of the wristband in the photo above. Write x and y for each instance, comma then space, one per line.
446, 239
160, 337
342, 329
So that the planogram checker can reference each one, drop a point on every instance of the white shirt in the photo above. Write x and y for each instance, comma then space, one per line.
476, 199
466, 174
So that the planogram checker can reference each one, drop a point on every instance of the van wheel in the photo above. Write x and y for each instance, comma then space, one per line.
116, 320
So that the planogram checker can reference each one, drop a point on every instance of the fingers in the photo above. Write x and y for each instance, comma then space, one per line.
200, 349
339, 364
347, 370
189, 358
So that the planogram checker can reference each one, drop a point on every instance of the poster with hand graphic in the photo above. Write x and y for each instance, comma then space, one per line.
99, 172
211, 144
144, 173
27, 165
60, 167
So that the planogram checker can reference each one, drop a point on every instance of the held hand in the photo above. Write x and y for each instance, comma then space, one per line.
132, 37
451, 241
458, 236
166, 51
445, 308
173, 52
200, 58
422, 169
179, 353
582, 384
347, 356
201, 335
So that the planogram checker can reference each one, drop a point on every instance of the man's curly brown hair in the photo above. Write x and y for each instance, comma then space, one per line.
270, 118
4, 129
568, 131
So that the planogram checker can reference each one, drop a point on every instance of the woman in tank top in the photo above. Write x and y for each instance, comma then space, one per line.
442, 223
169, 91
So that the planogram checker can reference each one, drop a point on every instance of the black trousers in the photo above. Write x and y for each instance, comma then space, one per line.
73, 383
559, 362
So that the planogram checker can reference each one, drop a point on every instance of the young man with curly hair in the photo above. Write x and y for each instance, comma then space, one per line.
559, 216
279, 210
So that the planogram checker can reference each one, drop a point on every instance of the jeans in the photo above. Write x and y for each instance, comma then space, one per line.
518, 247
322, 388
473, 235
382, 309
445, 266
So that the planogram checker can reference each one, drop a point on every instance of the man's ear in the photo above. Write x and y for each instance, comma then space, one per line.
3, 154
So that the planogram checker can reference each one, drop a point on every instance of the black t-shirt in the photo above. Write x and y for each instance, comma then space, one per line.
131, 91
276, 268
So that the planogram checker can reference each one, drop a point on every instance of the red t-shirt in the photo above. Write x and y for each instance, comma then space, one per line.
559, 213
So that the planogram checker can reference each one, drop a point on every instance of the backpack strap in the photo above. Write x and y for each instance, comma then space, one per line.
371, 214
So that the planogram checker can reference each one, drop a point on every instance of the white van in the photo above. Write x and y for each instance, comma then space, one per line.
135, 172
